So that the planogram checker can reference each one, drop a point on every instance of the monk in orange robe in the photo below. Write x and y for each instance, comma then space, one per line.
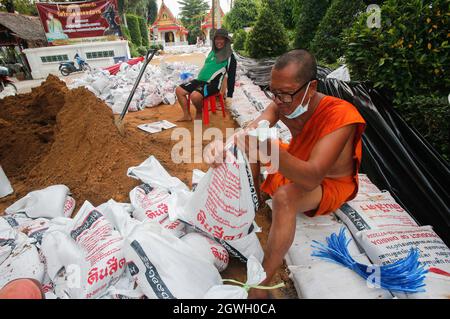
318, 170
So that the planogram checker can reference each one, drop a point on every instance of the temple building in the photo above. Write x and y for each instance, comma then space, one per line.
218, 20
167, 28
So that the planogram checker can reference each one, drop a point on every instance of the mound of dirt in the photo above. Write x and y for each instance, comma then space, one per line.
59, 136
27, 126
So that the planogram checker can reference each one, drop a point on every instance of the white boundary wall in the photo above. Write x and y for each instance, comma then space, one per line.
40, 69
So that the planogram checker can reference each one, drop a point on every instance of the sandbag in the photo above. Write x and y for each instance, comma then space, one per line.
366, 186
165, 267
87, 246
7, 239
209, 249
23, 260
5, 185
255, 275
374, 211
49, 202
150, 203
225, 200
388, 246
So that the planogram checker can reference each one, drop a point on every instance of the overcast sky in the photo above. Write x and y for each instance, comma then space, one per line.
174, 6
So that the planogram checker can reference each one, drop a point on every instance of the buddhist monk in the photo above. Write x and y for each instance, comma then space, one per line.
317, 171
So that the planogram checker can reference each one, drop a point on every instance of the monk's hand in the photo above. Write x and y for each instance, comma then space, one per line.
269, 154
214, 153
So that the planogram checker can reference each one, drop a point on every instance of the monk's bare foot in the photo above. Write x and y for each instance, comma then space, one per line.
184, 119
258, 294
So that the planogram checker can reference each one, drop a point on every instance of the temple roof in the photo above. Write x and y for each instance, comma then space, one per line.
207, 21
166, 21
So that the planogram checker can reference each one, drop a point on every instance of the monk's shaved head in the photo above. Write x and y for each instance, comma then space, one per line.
304, 61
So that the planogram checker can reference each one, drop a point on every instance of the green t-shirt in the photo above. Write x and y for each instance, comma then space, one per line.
211, 68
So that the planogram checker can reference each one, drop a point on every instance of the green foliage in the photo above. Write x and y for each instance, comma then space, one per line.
243, 14
135, 32
327, 43
21, 6
133, 50
125, 32
431, 117
239, 39
409, 57
152, 11
310, 13
192, 13
144, 31
287, 8
408, 54
142, 50
268, 36
157, 46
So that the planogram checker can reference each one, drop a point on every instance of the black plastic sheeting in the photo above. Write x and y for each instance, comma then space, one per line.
397, 158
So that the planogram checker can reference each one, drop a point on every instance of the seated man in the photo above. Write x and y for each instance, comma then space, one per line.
218, 62
317, 171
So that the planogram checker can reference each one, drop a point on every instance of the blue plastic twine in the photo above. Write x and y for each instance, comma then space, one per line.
405, 275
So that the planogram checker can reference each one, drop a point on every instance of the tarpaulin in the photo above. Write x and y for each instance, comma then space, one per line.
113, 69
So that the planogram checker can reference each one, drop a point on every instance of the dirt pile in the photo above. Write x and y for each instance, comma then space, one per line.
59, 136
27, 126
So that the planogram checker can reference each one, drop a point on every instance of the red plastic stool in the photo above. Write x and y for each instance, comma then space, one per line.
212, 100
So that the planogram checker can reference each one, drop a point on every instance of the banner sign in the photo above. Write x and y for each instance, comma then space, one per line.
73, 22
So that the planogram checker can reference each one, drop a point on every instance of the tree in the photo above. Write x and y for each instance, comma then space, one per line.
135, 31
327, 43
243, 14
268, 36
192, 13
239, 39
144, 32
152, 11
310, 14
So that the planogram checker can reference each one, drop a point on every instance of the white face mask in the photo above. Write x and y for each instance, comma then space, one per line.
300, 109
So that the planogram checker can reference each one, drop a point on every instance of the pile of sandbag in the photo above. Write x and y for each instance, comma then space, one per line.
387, 233
152, 247
156, 86
186, 49
249, 101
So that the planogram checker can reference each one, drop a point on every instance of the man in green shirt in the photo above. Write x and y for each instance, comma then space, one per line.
220, 61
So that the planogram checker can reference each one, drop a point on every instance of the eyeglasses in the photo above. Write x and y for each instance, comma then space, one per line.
283, 97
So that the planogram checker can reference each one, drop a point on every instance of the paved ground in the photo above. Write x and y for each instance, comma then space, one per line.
27, 85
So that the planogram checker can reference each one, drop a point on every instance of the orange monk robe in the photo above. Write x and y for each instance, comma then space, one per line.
331, 114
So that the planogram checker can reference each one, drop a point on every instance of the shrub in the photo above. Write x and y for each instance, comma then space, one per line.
125, 32
327, 43
133, 50
144, 32
142, 51
243, 14
430, 116
268, 36
135, 32
310, 13
408, 56
239, 39
409, 53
